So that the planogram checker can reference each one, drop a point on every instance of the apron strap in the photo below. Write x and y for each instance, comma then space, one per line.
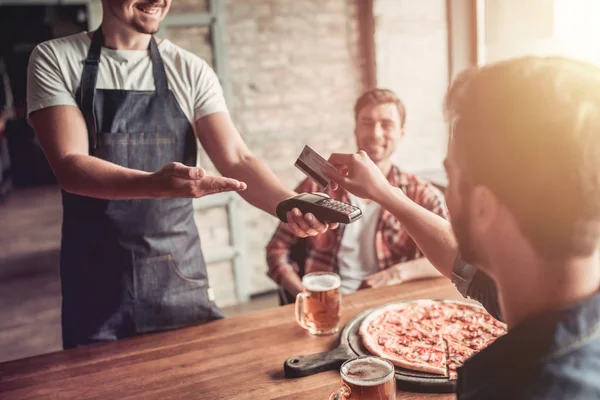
89, 78
88, 86
158, 69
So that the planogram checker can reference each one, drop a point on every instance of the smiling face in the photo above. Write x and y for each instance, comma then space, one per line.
378, 128
143, 16
379, 116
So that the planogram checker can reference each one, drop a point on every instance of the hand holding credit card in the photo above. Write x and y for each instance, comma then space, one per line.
320, 205
313, 165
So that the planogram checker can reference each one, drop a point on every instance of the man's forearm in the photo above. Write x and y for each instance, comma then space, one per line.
432, 234
264, 189
90, 176
292, 283
435, 238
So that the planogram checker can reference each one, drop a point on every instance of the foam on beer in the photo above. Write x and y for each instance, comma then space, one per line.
366, 371
321, 283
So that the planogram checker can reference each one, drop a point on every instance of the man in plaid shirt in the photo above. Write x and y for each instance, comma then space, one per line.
370, 251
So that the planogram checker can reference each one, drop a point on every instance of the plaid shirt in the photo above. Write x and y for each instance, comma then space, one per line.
392, 244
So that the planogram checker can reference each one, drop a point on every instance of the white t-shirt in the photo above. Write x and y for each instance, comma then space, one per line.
356, 255
55, 68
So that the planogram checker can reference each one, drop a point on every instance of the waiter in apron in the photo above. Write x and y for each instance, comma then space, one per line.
116, 113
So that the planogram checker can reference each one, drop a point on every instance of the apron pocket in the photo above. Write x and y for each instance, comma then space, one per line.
146, 151
166, 299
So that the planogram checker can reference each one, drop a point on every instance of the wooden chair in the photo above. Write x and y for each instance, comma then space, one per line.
297, 255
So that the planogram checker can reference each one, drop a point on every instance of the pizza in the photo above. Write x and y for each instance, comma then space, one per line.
429, 335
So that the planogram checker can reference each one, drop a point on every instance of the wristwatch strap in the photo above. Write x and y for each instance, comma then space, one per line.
462, 275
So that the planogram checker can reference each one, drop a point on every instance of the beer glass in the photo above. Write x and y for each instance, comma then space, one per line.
366, 378
318, 306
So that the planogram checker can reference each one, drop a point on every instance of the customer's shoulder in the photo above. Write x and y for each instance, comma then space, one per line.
568, 377
400, 178
419, 190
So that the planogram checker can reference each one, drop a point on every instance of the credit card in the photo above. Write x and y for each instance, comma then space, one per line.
313, 165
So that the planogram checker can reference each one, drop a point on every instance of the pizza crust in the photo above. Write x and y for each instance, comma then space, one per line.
422, 367
464, 303
369, 341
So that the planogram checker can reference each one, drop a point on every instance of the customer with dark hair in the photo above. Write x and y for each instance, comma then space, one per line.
524, 198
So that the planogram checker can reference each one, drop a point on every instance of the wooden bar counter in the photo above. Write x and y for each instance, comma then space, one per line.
235, 358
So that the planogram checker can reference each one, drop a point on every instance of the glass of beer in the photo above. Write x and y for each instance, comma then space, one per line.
366, 378
318, 306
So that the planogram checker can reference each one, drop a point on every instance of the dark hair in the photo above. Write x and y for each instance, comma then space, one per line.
529, 130
380, 96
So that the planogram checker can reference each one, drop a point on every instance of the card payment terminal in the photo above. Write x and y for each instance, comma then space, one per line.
323, 207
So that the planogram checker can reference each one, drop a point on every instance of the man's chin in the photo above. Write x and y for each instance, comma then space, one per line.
146, 28
147, 31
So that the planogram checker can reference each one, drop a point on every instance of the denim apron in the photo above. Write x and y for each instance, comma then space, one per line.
132, 266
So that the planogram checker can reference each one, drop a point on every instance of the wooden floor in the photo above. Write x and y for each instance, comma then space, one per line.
29, 274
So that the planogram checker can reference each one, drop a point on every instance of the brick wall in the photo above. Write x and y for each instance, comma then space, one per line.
295, 72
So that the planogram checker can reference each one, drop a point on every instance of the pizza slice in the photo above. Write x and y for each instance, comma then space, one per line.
457, 353
468, 329
473, 314
405, 352
473, 330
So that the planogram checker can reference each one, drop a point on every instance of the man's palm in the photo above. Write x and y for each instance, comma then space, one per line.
178, 180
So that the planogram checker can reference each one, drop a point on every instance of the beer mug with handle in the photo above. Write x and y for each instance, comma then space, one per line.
318, 306
366, 378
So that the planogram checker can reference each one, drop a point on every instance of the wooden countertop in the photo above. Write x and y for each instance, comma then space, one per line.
235, 358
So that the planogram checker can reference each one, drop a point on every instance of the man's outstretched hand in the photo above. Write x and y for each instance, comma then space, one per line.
178, 180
